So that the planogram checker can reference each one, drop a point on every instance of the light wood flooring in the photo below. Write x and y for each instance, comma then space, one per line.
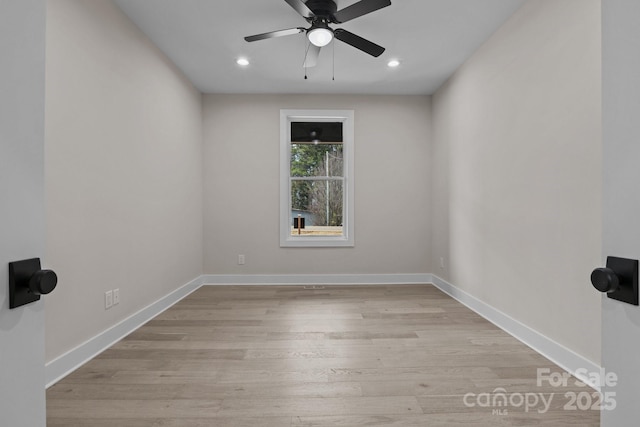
285, 356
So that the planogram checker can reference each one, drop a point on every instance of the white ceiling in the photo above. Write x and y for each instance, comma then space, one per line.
431, 38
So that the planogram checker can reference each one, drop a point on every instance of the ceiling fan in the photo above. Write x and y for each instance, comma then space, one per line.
321, 13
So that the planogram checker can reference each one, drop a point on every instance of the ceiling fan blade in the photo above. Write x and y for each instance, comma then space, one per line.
358, 42
272, 34
358, 9
311, 58
301, 8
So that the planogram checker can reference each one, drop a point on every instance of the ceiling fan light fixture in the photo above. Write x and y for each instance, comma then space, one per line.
243, 62
320, 36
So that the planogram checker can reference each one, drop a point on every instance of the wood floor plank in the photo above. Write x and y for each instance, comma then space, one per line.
320, 406
133, 408
470, 419
172, 422
280, 390
402, 355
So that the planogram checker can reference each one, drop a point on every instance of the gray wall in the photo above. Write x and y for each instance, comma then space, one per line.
621, 130
241, 163
123, 171
517, 164
22, 46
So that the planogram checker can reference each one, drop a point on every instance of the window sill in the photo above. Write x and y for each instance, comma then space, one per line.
316, 242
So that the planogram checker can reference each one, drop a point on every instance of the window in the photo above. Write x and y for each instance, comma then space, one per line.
316, 178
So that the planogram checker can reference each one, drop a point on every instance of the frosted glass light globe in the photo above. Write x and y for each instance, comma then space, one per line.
320, 36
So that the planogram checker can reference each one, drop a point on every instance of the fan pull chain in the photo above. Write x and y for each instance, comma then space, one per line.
333, 51
304, 63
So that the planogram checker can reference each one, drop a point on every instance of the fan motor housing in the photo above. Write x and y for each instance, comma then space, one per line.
322, 8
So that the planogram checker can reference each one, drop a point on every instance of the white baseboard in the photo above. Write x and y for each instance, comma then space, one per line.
316, 279
557, 353
63, 365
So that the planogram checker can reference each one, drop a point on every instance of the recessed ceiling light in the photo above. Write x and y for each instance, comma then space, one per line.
242, 62
393, 63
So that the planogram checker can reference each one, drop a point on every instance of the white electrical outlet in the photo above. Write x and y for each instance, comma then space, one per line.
108, 299
116, 296
240, 259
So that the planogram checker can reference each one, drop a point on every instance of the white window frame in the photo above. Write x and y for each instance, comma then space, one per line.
286, 118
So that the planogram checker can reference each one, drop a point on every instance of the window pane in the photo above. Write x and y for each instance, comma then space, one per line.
320, 203
309, 160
